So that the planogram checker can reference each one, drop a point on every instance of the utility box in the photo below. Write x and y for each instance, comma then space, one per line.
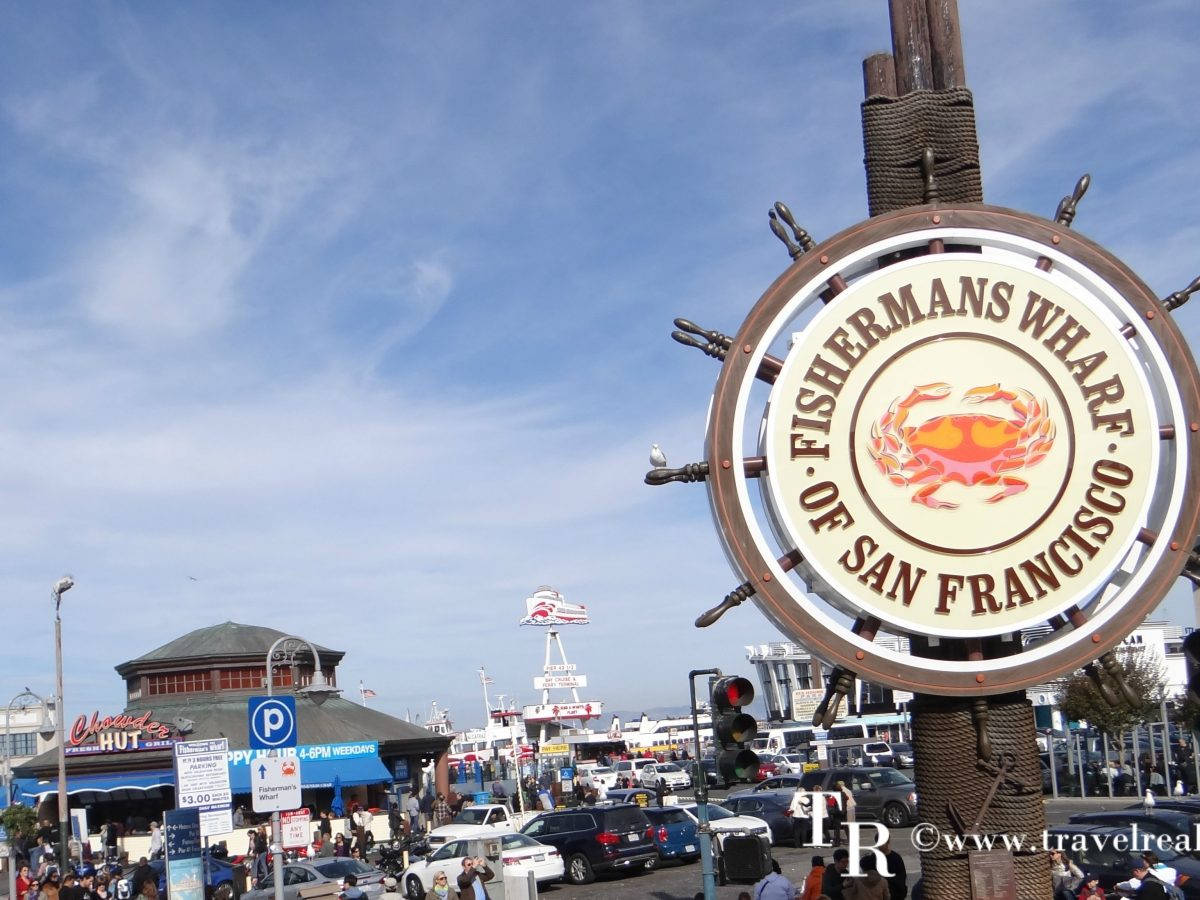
746, 858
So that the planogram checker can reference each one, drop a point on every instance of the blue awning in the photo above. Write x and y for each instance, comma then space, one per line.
30, 789
316, 773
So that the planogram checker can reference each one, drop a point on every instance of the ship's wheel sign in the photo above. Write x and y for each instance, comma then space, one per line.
960, 423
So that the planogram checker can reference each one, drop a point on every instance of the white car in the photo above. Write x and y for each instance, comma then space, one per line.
722, 821
519, 855
598, 777
669, 773
790, 763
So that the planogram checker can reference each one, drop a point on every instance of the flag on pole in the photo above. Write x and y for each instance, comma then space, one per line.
368, 693
364, 693
483, 676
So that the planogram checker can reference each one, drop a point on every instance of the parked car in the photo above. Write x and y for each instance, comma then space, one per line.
631, 768
638, 796
669, 773
878, 753
519, 855
597, 839
596, 777
311, 873
774, 808
1109, 852
790, 763
786, 783
765, 770
879, 793
674, 833
220, 879
902, 754
723, 821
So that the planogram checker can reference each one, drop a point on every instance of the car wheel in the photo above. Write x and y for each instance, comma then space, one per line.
223, 891
413, 888
579, 870
894, 815
650, 865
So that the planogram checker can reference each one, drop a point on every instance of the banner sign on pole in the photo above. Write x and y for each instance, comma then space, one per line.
185, 871
293, 827
202, 782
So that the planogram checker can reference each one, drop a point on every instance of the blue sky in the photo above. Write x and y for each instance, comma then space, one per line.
358, 314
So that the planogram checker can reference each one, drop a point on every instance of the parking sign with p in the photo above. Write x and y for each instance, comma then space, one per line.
272, 722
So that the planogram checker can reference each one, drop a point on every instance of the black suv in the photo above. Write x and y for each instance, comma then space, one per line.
596, 839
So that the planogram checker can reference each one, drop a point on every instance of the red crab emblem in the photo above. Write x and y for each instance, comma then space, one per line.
968, 449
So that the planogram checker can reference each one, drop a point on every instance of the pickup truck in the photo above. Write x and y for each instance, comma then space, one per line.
482, 820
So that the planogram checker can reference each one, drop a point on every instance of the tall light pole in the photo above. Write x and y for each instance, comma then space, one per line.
61, 586
46, 730
284, 650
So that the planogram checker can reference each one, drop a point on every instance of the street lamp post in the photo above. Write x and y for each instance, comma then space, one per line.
319, 690
46, 730
61, 586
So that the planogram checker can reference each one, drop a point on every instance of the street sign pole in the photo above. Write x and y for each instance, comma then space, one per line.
707, 873
267, 718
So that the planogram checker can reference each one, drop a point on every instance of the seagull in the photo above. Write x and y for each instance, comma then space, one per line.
657, 458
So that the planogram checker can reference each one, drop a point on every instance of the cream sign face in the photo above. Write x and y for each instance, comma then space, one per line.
960, 447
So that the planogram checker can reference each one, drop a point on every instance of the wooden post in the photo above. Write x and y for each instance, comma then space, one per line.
879, 80
910, 45
945, 45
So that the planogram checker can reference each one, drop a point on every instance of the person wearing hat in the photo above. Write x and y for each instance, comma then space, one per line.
390, 889
1090, 889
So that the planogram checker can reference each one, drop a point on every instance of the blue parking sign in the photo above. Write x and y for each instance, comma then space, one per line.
272, 722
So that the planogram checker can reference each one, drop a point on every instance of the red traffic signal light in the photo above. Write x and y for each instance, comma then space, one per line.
732, 692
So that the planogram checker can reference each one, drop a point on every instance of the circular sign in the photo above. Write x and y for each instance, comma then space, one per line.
970, 428
983, 434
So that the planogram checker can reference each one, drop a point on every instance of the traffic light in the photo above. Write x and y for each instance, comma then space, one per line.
1191, 655
733, 729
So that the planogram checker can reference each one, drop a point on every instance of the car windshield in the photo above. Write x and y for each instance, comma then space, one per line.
339, 868
887, 778
667, 767
714, 812
509, 841
903, 748
473, 815
600, 770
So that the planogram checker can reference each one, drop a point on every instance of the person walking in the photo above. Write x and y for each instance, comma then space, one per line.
849, 805
413, 806
441, 811
156, 841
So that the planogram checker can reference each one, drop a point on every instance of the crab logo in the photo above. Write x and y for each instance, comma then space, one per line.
966, 449
288, 767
